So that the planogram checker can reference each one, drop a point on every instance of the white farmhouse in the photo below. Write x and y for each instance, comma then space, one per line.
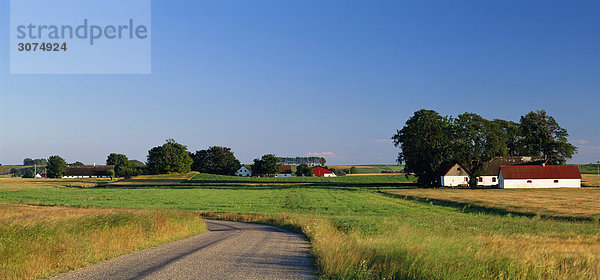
243, 172
455, 176
458, 175
540, 176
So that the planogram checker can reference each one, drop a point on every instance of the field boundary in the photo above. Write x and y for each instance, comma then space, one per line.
475, 208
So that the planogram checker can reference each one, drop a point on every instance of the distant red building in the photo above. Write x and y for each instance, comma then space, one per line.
320, 171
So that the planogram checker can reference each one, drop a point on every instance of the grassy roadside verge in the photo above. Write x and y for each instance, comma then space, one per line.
37, 242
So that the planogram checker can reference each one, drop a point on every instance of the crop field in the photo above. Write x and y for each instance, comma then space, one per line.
358, 232
590, 180
589, 168
371, 169
37, 242
560, 203
7, 184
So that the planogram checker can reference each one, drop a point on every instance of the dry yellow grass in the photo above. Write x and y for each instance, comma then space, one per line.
16, 183
38, 241
590, 180
581, 202
163, 179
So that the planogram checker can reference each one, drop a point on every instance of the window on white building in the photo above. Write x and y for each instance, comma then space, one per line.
529, 181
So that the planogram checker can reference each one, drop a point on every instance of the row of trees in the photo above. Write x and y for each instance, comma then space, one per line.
430, 142
301, 160
174, 157
37, 161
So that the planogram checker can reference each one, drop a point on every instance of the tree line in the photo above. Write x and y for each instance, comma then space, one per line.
301, 160
175, 157
429, 143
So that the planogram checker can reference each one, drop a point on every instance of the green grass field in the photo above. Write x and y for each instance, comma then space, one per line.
358, 233
372, 168
588, 168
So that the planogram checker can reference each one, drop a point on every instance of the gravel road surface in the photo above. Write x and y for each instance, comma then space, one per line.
229, 251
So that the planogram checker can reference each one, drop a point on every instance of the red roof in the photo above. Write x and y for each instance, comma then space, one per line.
540, 172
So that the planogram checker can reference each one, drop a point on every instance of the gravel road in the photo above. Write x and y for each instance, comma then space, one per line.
229, 251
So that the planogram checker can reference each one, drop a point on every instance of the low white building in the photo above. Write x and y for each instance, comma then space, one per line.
455, 176
539, 176
88, 171
458, 175
243, 172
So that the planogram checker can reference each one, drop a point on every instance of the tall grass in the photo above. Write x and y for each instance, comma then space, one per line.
38, 242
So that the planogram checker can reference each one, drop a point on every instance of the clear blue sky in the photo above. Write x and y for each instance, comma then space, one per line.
308, 77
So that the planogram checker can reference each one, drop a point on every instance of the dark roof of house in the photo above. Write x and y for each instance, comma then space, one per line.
88, 170
493, 167
540, 172
285, 169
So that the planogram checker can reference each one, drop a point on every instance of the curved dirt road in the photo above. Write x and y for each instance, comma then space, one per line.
229, 251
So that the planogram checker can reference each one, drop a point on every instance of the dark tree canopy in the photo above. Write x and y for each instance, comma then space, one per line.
267, 166
304, 170
542, 136
56, 167
425, 142
300, 160
170, 157
123, 167
138, 167
37, 161
477, 142
215, 160
77, 163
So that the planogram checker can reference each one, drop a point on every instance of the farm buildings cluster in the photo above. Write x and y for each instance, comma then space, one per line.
516, 172
286, 171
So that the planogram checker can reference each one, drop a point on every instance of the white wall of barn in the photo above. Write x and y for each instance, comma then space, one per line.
538, 183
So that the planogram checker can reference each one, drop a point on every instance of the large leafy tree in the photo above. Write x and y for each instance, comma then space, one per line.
542, 136
28, 161
304, 170
514, 138
56, 167
266, 166
123, 166
426, 143
170, 157
138, 167
477, 142
215, 160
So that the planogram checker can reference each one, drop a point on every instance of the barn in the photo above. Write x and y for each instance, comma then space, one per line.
539, 176
321, 171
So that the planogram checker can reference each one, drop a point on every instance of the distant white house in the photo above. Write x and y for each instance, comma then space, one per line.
40, 176
243, 172
458, 175
539, 176
284, 171
455, 176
